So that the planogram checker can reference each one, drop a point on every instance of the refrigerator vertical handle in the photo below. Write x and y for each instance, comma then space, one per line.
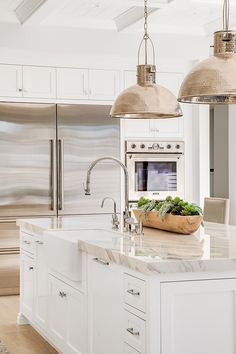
61, 174
52, 171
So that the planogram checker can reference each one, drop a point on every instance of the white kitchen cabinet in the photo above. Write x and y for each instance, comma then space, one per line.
93, 84
67, 317
39, 82
41, 286
105, 312
72, 83
129, 350
103, 84
11, 80
198, 317
27, 285
130, 78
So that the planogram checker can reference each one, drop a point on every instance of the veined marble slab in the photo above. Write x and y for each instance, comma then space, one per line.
211, 249
39, 225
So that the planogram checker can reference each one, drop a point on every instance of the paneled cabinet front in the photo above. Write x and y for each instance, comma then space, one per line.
11, 80
198, 317
27, 285
41, 286
39, 82
72, 83
88, 84
105, 312
67, 317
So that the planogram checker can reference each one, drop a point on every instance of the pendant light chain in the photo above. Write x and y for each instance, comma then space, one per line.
226, 15
146, 35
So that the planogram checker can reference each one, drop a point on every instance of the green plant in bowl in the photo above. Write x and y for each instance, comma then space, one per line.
174, 206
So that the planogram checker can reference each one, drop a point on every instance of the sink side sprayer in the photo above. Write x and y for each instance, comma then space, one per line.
128, 221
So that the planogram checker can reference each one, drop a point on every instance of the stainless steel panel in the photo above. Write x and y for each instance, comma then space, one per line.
86, 133
27, 159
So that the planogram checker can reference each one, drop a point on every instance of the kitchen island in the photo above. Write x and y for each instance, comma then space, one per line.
90, 290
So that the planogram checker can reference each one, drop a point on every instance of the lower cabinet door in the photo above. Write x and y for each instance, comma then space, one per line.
130, 350
27, 285
67, 318
41, 286
198, 317
57, 313
105, 308
76, 336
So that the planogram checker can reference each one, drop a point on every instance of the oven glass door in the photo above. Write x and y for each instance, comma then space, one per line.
152, 176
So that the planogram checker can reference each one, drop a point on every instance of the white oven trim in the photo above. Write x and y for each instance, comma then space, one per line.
131, 158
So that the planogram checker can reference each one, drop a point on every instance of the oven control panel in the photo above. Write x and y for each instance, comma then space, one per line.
155, 147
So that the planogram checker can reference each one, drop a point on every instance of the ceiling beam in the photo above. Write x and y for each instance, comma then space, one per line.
34, 12
131, 16
152, 3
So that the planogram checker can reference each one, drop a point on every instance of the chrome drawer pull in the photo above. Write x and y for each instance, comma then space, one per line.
132, 331
27, 242
133, 292
39, 242
101, 261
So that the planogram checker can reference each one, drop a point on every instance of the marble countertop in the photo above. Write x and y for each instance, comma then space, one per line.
211, 249
40, 225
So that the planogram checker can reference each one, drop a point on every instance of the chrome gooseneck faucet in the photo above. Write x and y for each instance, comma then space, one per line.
87, 185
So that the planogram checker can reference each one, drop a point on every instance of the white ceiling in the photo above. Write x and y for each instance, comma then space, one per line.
192, 17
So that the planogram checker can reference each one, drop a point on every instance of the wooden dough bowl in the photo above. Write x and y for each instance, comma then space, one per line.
174, 223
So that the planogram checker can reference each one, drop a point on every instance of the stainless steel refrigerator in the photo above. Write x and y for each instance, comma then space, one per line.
45, 150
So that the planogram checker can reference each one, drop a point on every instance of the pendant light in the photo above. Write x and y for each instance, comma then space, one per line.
146, 99
213, 81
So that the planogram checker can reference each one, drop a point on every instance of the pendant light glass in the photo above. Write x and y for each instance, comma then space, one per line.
146, 99
213, 81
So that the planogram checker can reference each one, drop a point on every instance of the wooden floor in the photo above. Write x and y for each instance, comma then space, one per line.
19, 339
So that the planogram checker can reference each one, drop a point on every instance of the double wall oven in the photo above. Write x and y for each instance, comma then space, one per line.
156, 169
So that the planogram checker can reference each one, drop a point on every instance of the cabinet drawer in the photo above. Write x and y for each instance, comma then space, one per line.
135, 332
27, 243
135, 292
129, 350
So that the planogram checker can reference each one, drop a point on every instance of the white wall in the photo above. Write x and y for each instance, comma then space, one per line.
232, 163
73, 47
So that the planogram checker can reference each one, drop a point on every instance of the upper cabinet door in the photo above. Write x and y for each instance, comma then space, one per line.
72, 83
104, 84
11, 80
39, 82
168, 127
130, 78
171, 81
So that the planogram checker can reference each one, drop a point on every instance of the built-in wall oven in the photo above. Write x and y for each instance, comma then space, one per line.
156, 169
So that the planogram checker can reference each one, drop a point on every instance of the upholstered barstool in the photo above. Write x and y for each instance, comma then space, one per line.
216, 210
